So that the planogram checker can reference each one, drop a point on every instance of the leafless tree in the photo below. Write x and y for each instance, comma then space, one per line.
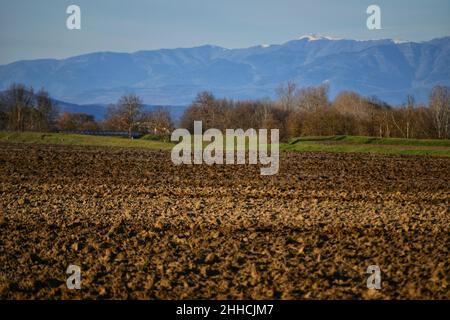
157, 121
47, 112
440, 108
287, 96
126, 113
313, 98
76, 121
16, 104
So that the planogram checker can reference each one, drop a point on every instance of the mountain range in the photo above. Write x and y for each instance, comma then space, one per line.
99, 110
386, 69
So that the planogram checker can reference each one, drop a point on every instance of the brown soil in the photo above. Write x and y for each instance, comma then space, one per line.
140, 227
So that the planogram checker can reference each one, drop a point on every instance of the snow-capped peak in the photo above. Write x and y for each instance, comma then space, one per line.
398, 41
315, 37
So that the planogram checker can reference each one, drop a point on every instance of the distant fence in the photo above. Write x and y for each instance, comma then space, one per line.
104, 133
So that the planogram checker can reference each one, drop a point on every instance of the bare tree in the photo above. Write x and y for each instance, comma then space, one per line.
355, 112
126, 113
287, 96
440, 108
313, 98
410, 105
46, 112
16, 103
76, 121
157, 121
214, 113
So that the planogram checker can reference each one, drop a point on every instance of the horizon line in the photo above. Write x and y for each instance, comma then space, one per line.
307, 37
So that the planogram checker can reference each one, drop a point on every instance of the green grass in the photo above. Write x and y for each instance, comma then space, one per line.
374, 140
81, 140
369, 145
338, 144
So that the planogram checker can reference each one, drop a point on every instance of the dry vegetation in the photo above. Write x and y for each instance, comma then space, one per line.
296, 112
140, 227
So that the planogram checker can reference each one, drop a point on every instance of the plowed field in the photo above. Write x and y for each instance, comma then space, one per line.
140, 227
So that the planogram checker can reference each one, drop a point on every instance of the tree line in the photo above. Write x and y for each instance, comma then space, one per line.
296, 112
309, 112
21, 109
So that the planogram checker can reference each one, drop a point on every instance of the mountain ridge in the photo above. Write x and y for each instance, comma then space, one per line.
385, 68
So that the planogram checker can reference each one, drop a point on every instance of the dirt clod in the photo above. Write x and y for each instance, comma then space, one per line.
140, 227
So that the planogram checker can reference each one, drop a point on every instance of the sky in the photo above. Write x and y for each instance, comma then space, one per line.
31, 29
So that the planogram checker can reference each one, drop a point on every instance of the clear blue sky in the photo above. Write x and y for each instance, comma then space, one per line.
31, 29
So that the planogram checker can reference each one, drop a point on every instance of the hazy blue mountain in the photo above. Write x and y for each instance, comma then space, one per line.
384, 68
99, 110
